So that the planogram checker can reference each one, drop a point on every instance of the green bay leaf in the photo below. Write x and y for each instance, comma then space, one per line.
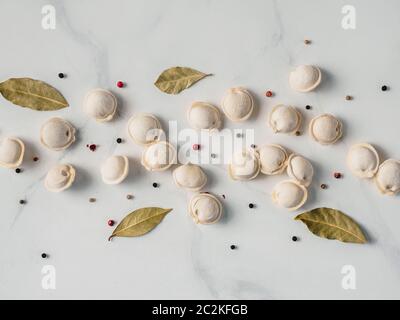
139, 222
177, 79
33, 94
332, 224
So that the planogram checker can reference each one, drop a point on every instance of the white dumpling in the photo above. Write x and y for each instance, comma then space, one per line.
245, 165
300, 169
100, 104
305, 78
273, 159
190, 176
11, 152
144, 129
59, 178
325, 129
289, 194
158, 156
202, 115
115, 169
363, 160
387, 178
284, 119
237, 104
57, 134
205, 208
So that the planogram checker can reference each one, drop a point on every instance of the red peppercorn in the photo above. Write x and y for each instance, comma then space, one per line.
120, 84
196, 147
92, 147
337, 175
268, 93
110, 222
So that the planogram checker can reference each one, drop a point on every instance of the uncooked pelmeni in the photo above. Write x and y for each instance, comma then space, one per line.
387, 178
273, 159
144, 129
158, 156
11, 152
305, 78
325, 129
237, 104
245, 165
115, 169
205, 208
57, 134
59, 178
202, 115
190, 176
289, 194
300, 169
363, 160
284, 119
100, 104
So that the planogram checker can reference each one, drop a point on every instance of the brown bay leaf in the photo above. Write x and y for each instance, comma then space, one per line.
33, 94
139, 222
177, 79
332, 224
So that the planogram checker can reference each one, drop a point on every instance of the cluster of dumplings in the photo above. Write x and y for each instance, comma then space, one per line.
363, 161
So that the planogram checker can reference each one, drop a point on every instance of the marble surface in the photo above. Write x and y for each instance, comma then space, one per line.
251, 43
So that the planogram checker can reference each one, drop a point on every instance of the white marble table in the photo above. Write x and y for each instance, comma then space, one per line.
250, 43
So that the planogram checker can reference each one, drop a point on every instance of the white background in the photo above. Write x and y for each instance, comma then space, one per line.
249, 43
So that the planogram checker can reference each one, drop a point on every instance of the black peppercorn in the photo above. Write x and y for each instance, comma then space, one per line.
155, 184
308, 107
384, 88
44, 255
251, 206
18, 170
61, 75
21, 201
233, 247
119, 140
294, 238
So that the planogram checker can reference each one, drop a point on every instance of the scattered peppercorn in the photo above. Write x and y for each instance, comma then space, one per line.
306, 41
213, 155
21, 201
110, 222
384, 88
196, 146
349, 98
233, 247
294, 238
92, 147
308, 107
155, 185
269, 93
92, 200
298, 133
44, 255
251, 205
35, 159
129, 196
337, 175
119, 140
253, 146
324, 186
120, 84
18, 170
61, 75
223, 196
238, 135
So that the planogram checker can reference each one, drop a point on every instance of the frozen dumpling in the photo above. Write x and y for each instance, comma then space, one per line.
284, 119
59, 178
115, 169
158, 156
300, 169
202, 115
190, 176
363, 160
237, 104
325, 129
289, 194
387, 178
11, 152
57, 134
245, 165
205, 208
272, 159
305, 78
100, 104
144, 129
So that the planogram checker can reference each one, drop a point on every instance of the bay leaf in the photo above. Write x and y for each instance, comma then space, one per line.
139, 222
332, 224
33, 94
177, 79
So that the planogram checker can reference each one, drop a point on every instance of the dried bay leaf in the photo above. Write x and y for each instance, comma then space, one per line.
139, 222
332, 224
177, 79
33, 94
